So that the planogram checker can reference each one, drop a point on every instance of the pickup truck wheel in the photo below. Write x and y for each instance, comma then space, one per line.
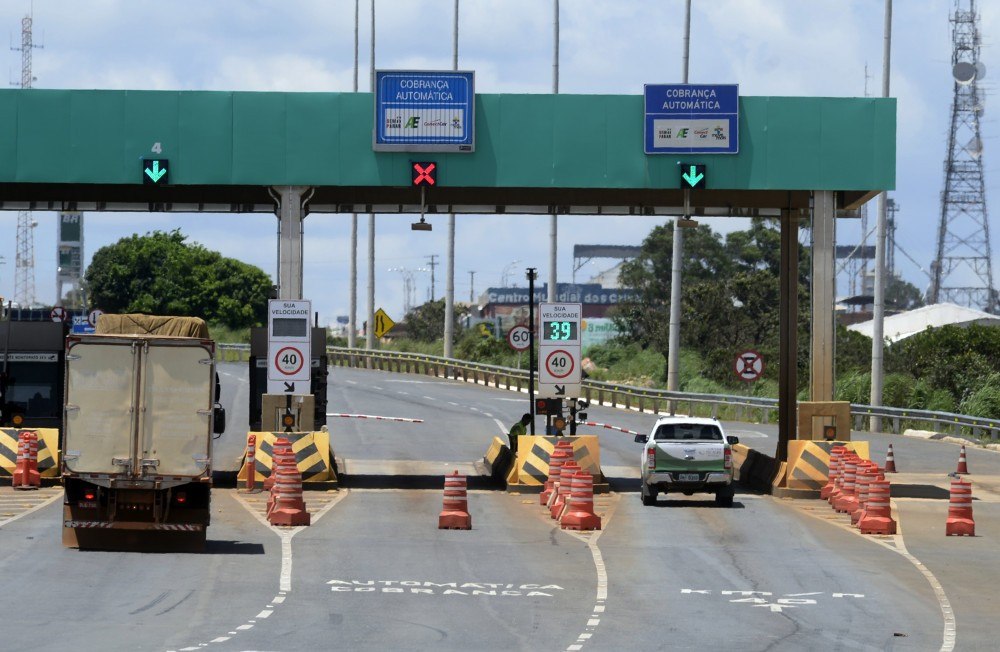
724, 499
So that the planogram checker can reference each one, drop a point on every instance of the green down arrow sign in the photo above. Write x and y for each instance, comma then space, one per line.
154, 172
692, 176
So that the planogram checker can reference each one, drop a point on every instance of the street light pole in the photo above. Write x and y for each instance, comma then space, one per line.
449, 292
674, 338
878, 312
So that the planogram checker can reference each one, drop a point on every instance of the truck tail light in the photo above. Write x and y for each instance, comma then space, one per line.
651, 458
180, 497
727, 459
89, 495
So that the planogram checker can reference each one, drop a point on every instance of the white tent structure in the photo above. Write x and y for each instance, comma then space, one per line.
899, 327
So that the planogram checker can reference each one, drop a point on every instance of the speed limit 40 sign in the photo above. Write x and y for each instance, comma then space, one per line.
559, 350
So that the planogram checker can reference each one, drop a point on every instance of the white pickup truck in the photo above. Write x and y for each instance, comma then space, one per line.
687, 455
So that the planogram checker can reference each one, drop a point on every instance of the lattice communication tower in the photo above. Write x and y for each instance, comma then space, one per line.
24, 274
962, 269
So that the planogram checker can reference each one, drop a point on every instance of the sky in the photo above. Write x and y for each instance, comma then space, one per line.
768, 47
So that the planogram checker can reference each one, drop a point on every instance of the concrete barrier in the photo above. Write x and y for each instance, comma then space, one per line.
531, 468
48, 451
312, 457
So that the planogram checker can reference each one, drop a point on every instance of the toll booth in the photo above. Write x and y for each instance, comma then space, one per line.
32, 354
258, 375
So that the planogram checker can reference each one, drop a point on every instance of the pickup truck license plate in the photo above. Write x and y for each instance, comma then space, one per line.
688, 477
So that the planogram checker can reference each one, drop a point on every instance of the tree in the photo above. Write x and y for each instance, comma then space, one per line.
901, 295
731, 295
425, 323
159, 273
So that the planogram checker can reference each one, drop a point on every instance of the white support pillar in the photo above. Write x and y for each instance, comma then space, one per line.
291, 213
823, 342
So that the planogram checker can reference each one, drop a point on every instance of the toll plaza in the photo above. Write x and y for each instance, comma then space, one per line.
796, 159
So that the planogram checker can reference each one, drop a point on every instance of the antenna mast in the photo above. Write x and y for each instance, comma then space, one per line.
962, 269
24, 275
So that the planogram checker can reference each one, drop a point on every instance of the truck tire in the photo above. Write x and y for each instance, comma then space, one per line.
724, 497
648, 496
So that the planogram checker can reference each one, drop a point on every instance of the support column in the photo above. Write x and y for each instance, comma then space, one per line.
291, 212
788, 333
823, 276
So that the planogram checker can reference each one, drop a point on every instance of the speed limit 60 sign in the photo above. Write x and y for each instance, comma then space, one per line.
519, 337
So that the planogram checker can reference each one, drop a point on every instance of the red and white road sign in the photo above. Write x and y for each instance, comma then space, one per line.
519, 338
93, 316
289, 361
749, 365
58, 314
559, 363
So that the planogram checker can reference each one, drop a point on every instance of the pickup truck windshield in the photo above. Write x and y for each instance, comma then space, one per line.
687, 431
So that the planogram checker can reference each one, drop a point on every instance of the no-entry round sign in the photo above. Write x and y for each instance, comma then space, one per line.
749, 365
289, 360
559, 363
519, 338
58, 314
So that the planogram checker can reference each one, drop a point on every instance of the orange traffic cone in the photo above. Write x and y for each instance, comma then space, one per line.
963, 466
562, 453
558, 499
29, 476
580, 513
960, 521
847, 501
455, 513
289, 509
281, 455
890, 461
877, 518
836, 455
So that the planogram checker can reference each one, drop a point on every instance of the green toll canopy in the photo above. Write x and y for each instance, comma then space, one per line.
227, 151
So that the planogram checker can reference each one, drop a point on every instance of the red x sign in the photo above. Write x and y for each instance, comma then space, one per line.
424, 173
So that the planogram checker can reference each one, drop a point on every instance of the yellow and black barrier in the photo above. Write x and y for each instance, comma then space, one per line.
497, 460
312, 456
48, 451
809, 462
531, 468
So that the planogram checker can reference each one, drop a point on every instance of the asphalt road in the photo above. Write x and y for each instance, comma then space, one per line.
373, 572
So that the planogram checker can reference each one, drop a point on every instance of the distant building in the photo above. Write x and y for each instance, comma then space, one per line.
906, 324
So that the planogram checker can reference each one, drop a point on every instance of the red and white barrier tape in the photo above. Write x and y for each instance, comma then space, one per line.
604, 425
372, 416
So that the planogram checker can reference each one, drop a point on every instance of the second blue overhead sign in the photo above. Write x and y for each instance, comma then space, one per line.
692, 118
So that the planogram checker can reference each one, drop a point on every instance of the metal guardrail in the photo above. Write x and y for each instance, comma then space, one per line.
655, 401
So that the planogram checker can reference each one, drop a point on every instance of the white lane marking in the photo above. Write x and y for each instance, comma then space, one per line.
898, 546
453, 403
377, 387
591, 538
430, 398
503, 431
220, 639
279, 599
412, 382
488, 414
37, 507
243, 628
352, 382
264, 614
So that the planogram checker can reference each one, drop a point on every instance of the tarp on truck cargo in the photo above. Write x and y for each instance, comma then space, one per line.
152, 325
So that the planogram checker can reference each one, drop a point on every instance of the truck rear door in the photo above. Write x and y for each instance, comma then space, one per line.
100, 409
176, 395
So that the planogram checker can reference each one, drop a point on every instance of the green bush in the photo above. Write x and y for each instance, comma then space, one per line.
984, 401
896, 390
